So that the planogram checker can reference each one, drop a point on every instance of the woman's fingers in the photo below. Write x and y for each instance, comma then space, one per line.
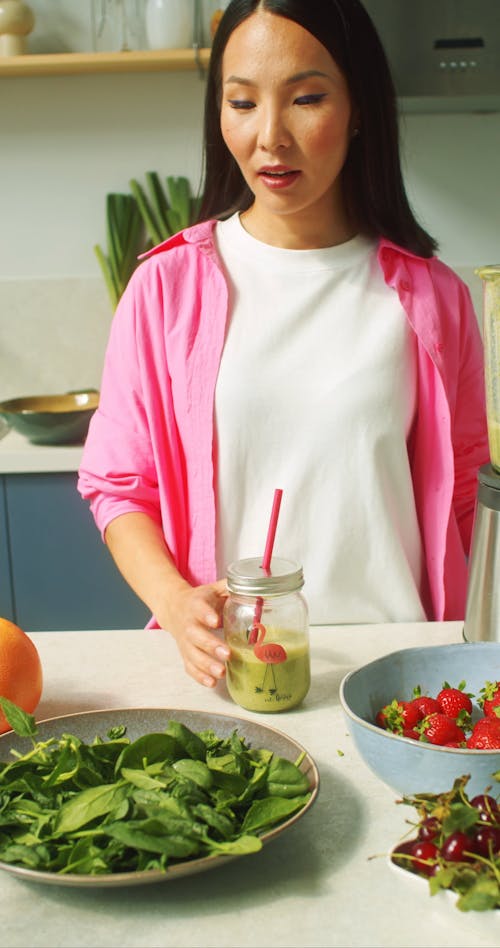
198, 614
204, 662
203, 653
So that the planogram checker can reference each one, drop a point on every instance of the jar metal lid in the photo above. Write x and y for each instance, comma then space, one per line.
247, 577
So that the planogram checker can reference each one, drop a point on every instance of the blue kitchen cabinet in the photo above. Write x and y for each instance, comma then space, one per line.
56, 571
6, 605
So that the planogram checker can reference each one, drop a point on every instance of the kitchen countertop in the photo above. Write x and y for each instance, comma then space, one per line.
20, 456
324, 882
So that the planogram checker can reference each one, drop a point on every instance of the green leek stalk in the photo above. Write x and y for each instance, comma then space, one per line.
124, 242
137, 221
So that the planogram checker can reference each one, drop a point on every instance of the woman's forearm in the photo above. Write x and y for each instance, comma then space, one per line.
193, 615
138, 548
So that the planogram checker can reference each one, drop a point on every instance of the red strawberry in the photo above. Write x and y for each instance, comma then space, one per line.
398, 716
411, 714
425, 705
412, 733
453, 701
490, 699
485, 734
391, 717
439, 729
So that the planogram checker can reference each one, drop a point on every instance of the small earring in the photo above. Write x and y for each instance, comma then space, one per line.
355, 132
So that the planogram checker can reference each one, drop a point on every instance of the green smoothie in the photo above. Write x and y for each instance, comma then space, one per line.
269, 687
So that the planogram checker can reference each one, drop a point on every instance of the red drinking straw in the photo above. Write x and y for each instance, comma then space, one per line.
271, 532
266, 562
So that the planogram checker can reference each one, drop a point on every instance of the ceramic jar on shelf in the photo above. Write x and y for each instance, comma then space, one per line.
169, 23
16, 22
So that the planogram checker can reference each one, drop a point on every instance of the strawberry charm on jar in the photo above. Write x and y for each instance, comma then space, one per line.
266, 627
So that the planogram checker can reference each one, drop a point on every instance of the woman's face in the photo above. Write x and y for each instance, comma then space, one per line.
287, 119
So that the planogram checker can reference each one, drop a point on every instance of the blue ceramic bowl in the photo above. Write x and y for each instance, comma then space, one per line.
405, 765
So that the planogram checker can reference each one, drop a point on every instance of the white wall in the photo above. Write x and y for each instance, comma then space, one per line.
67, 141
452, 170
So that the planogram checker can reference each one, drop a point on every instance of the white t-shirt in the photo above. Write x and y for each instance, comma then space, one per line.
316, 395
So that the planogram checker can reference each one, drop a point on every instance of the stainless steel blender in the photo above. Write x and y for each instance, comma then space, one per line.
482, 615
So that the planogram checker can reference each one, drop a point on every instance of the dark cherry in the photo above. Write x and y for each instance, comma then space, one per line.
401, 853
425, 856
429, 828
487, 841
487, 806
456, 847
403, 849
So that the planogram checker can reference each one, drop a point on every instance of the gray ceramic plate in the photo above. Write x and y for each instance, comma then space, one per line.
140, 721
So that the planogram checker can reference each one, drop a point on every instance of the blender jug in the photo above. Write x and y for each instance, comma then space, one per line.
491, 337
482, 614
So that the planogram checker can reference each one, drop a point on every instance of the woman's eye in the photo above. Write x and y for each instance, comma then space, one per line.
311, 99
241, 104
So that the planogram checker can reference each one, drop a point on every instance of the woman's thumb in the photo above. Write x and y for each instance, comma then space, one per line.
220, 587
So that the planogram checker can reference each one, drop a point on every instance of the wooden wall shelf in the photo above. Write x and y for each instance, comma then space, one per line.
73, 64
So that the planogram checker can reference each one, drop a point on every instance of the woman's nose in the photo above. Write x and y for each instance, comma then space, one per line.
273, 131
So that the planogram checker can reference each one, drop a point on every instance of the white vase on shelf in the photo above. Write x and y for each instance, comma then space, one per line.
16, 21
169, 24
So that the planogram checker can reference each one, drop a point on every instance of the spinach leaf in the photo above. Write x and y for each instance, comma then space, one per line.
284, 779
220, 822
20, 721
195, 770
88, 805
191, 743
147, 750
270, 810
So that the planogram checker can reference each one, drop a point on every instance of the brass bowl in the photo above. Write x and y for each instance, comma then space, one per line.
52, 419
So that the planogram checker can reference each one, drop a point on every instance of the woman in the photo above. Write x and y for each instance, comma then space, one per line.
302, 335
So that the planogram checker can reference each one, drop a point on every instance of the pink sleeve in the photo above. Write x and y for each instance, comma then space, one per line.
117, 473
469, 427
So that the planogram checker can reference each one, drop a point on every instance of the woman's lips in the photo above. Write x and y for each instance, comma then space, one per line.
278, 178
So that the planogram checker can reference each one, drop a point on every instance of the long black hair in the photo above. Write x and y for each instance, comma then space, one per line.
374, 190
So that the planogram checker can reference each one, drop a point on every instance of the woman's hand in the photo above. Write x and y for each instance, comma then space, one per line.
193, 615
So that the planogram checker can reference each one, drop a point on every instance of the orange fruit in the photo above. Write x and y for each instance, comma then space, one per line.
20, 670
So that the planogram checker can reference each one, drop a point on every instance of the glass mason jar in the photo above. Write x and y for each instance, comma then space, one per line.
266, 626
117, 25
491, 335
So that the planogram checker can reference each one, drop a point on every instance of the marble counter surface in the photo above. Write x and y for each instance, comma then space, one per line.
325, 882
19, 456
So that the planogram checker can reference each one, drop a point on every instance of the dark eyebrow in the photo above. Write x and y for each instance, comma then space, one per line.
306, 74
297, 77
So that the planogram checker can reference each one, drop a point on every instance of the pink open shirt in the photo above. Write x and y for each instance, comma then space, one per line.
150, 443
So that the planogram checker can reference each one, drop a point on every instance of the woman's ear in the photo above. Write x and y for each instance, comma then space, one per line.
355, 123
